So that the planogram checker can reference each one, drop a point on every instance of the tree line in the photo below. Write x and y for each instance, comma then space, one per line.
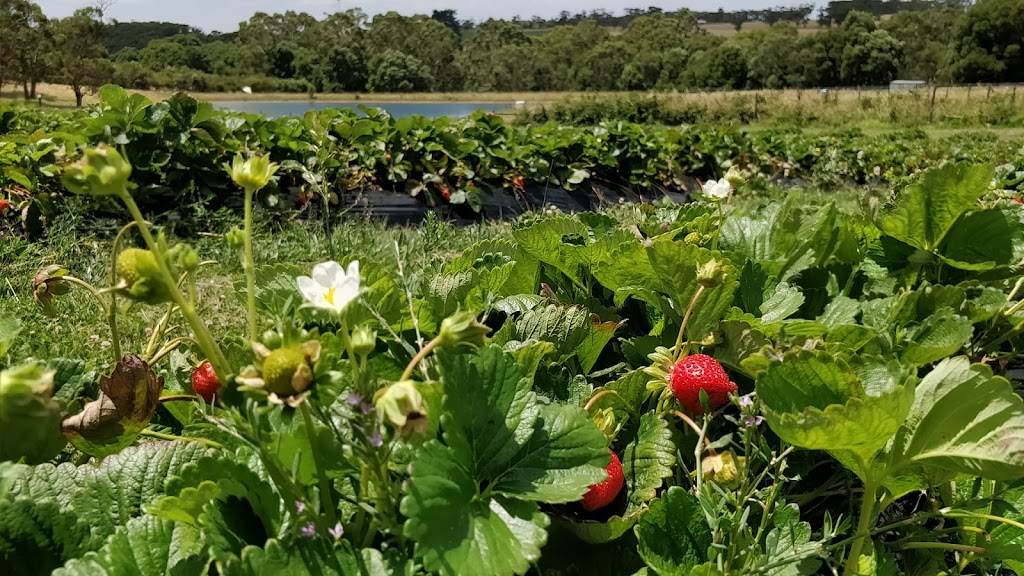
351, 52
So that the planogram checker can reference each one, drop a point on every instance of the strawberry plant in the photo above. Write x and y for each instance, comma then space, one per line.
793, 385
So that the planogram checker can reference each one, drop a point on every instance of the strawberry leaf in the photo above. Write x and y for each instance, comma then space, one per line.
471, 501
674, 537
819, 402
963, 420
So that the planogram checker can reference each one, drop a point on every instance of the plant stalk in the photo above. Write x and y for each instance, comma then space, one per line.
250, 270
867, 518
686, 321
419, 358
318, 461
206, 341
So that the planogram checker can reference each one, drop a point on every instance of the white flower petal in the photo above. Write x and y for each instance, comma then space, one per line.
326, 274
353, 270
310, 289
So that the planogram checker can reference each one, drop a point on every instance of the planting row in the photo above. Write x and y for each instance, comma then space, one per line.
177, 147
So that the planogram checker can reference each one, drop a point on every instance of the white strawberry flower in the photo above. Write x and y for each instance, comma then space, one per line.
331, 288
717, 189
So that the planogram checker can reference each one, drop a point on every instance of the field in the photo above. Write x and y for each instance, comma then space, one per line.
600, 348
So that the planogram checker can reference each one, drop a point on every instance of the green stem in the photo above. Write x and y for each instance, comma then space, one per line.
699, 451
867, 518
721, 221
943, 546
206, 341
92, 290
686, 320
159, 436
115, 335
419, 358
250, 270
318, 461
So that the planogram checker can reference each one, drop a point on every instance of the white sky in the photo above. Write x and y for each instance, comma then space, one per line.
224, 15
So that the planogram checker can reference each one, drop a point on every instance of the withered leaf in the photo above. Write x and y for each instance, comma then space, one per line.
126, 404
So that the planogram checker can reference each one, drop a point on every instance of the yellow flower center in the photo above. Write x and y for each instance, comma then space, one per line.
330, 296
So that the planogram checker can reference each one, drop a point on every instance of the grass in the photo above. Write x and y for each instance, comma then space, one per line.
80, 329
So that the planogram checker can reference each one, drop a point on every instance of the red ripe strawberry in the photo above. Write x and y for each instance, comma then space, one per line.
1015, 200
603, 494
693, 373
519, 183
4, 205
446, 193
205, 382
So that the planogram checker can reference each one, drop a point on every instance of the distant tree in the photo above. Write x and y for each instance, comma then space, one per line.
499, 56
426, 39
989, 46
560, 50
25, 36
871, 59
79, 56
120, 35
926, 38
394, 71
601, 69
450, 19
185, 51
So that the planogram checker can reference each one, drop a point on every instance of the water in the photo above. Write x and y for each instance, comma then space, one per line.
396, 109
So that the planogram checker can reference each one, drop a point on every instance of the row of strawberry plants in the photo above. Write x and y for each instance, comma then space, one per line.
716, 388
176, 147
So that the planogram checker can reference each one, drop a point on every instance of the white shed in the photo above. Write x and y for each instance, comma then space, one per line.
906, 85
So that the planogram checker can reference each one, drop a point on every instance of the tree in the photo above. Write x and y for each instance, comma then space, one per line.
989, 45
394, 71
185, 51
871, 59
427, 40
925, 35
276, 37
500, 56
79, 55
560, 50
449, 18
24, 41
601, 68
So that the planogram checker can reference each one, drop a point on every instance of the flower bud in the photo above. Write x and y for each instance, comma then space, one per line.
735, 177
102, 171
606, 422
252, 174
235, 238
140, 277
364, 340
711, 274
723, 469
462, 328
49, 282
184, 258
401, 406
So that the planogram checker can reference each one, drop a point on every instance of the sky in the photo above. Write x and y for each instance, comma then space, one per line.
224, 15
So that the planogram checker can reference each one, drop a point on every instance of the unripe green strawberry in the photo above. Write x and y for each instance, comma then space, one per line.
287, 372
141, 277
692, 238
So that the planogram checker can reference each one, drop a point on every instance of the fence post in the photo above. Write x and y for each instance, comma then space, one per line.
1013, 96
988, 94
931, 112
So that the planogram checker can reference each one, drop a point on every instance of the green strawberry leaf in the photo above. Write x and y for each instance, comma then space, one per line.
647, 461
674, 537
939, 336
791, 539
817, 401
472, 502
964, 420
784, 301
676, 265
145, 545
924, 213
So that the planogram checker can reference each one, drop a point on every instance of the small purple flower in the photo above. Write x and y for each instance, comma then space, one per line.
753, 421
746, 401
299, 506
338, 531
309, 530
375, 439
354, 399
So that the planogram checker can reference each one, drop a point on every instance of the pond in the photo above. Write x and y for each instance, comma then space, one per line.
396, 109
